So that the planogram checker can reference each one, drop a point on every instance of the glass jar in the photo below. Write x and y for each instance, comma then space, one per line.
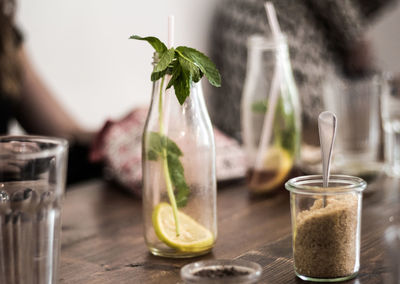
270, 112
326, 226
179, 180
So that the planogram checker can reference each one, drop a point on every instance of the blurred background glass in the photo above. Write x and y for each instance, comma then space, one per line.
391, 125
356, 104
358, 142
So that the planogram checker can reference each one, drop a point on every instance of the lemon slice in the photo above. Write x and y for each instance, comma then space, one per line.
277, 165
193, 237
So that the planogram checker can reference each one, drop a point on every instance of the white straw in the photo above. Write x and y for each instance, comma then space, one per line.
268, 118
272, 19
167, 101
167, 98
171, 28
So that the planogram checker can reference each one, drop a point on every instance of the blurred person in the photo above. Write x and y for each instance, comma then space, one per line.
25, 98
325, 40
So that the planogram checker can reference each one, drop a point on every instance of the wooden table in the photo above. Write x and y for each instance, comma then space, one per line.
102, 238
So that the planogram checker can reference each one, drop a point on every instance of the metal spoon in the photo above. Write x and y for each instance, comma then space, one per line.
327, 134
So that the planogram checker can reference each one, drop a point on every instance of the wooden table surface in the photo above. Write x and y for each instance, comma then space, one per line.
102, 239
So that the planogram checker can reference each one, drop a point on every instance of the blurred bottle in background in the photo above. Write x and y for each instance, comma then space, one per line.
270, 115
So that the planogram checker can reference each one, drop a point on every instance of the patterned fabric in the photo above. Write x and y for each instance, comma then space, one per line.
119, 145
319, 32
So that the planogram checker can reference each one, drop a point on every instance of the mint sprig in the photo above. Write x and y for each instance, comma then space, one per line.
160, 144
185, 64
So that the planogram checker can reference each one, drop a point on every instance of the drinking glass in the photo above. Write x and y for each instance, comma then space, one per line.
356, 105
390, 109
32, 181
326, 226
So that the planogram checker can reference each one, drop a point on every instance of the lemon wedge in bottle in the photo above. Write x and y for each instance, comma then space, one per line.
277, 164
193, 237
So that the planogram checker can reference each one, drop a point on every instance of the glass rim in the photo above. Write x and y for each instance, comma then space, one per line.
259, 41
60, 145
350, 184
187, 271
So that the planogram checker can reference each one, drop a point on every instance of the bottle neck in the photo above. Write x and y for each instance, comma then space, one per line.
261, 47
165, 100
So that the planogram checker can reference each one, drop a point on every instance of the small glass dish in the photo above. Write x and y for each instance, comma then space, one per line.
221, 271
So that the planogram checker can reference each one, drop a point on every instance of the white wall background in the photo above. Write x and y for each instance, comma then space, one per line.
82, 52
81, 48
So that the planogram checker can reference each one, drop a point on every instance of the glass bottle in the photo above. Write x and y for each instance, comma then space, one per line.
270, 115
165, 181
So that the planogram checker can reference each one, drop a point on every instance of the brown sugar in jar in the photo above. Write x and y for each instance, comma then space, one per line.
326, 223
325, 241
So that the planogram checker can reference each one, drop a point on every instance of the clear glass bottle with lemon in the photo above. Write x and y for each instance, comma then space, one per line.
272, 144
178, 155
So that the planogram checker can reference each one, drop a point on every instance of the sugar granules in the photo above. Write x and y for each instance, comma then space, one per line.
325, 239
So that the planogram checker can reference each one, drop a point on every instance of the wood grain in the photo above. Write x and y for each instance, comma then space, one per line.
102, 238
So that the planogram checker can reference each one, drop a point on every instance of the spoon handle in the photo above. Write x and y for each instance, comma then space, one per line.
327, 132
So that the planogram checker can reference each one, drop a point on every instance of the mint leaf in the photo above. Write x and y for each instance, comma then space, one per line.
172, 147
176, 173
182, 86
155, 142
182, 196
155, 43
175, 73
190, 68
165, 59
152, 155
204, 63
197, 75
157, 75
156, 145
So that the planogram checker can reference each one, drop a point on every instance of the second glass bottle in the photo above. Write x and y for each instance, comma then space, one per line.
270, 115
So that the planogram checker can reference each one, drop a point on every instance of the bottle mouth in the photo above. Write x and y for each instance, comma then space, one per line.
313, 185
258, 41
